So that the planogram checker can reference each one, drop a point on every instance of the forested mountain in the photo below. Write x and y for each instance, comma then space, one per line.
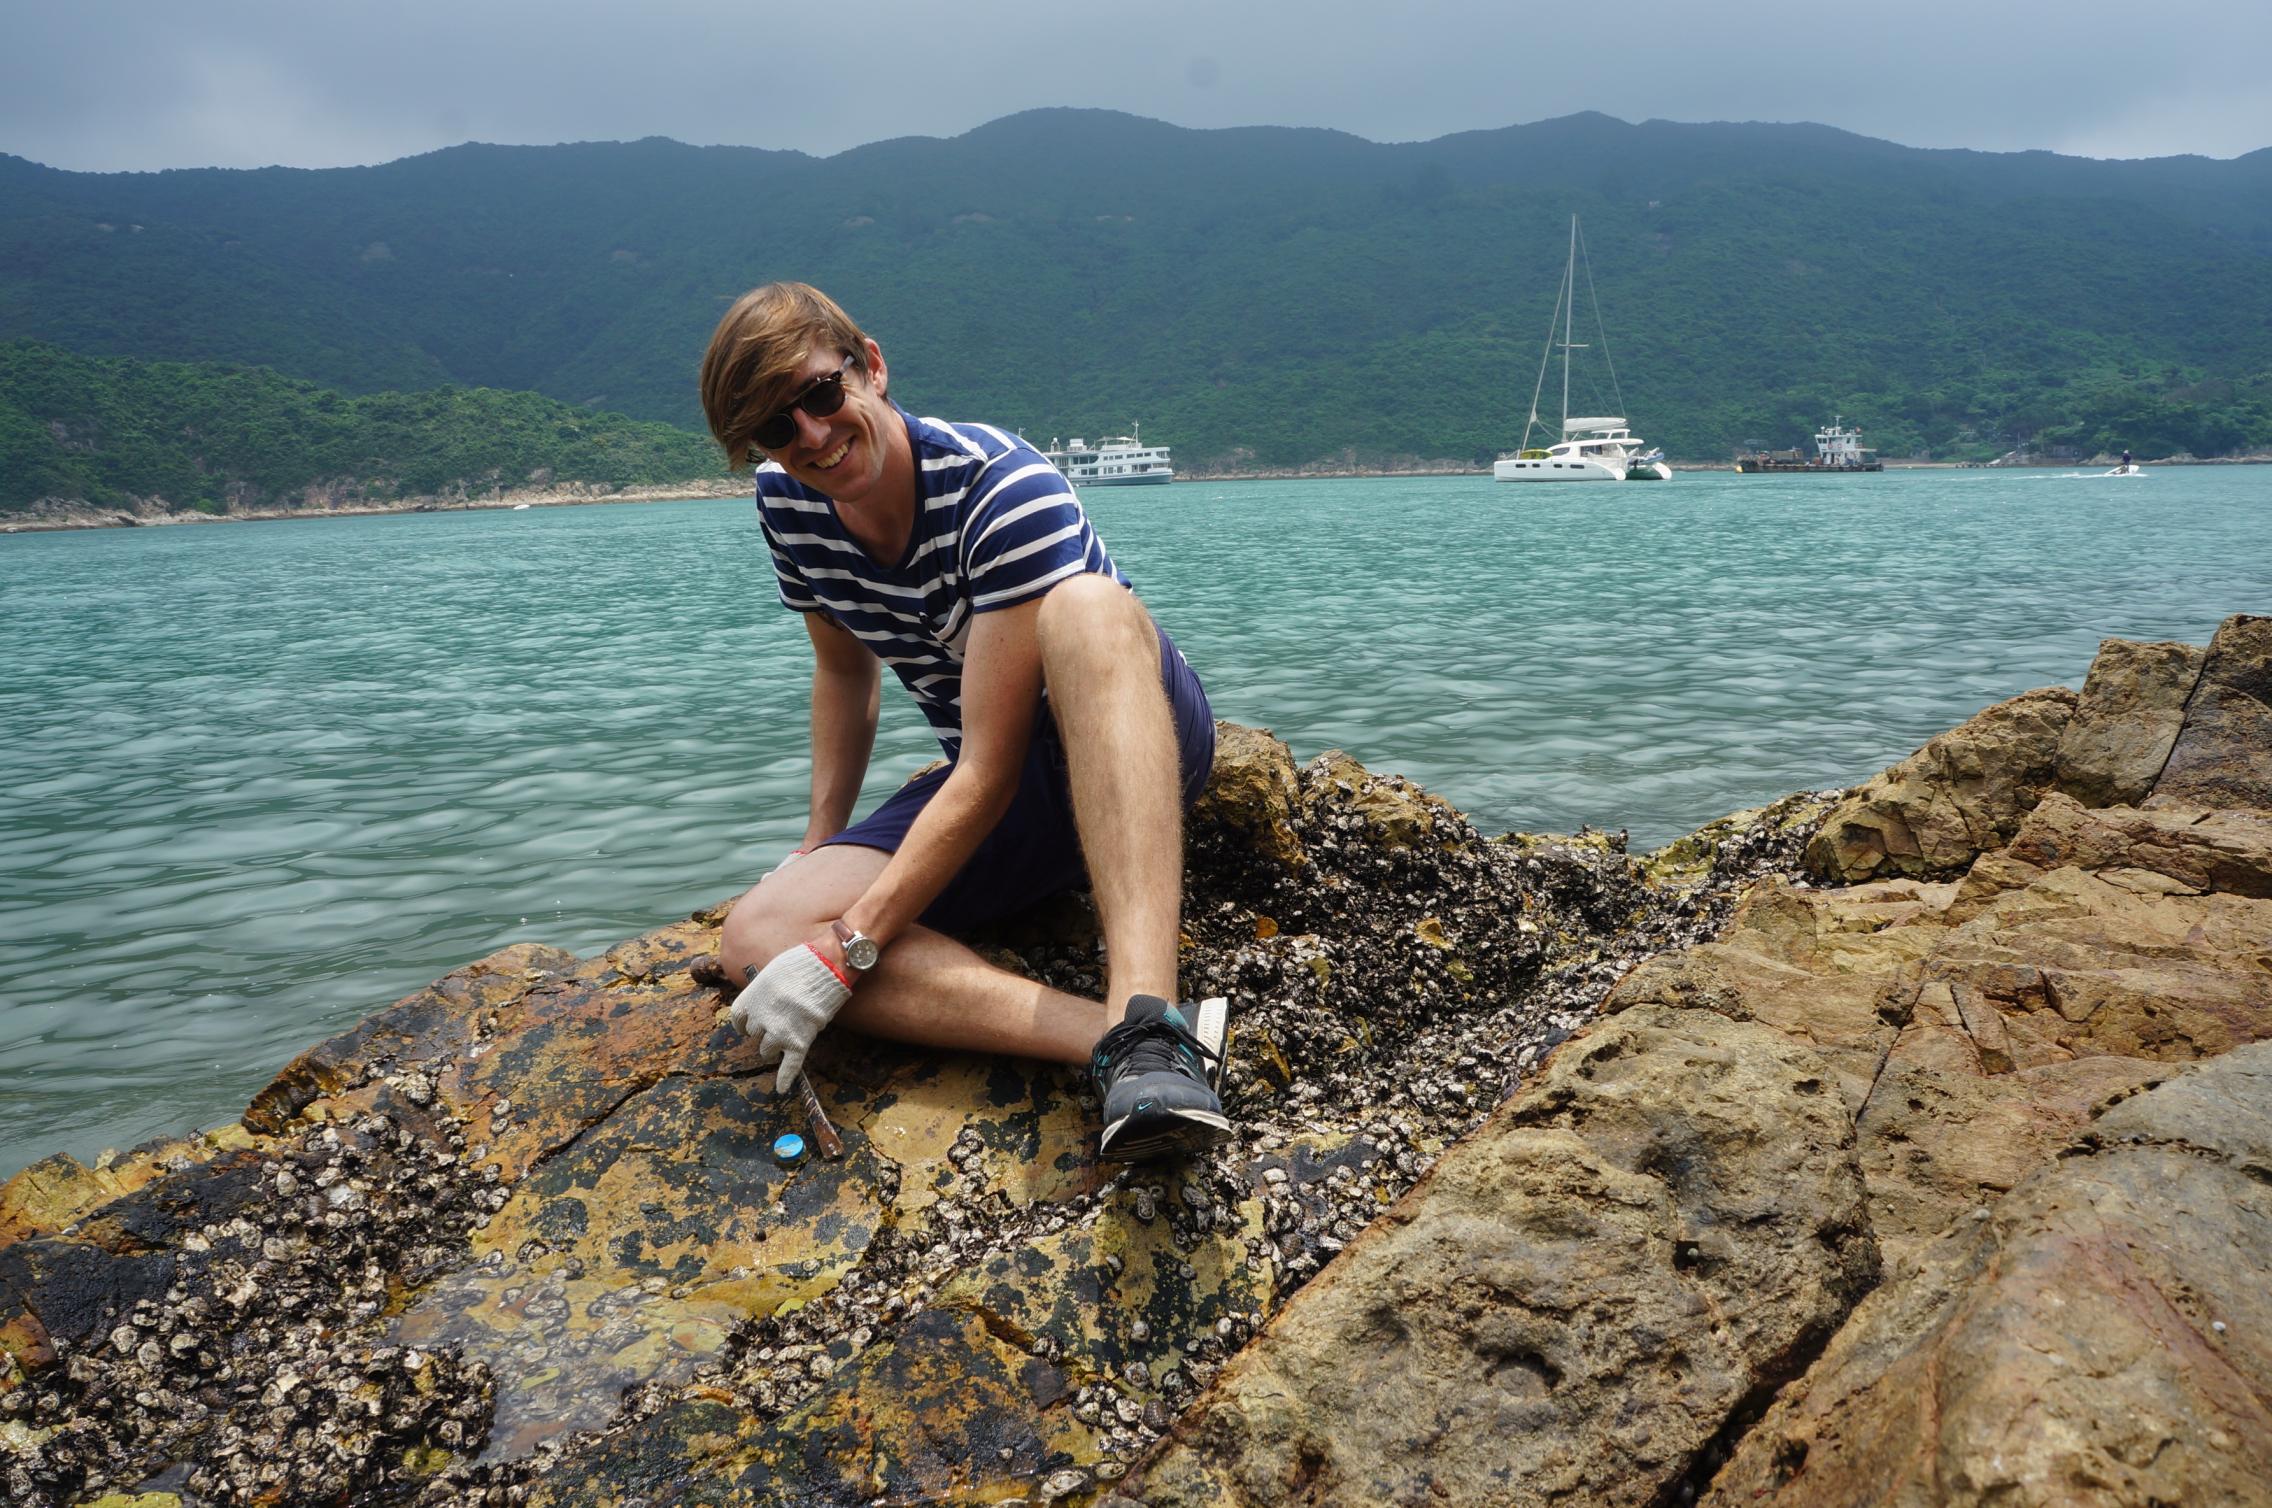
1266, 295
113, 431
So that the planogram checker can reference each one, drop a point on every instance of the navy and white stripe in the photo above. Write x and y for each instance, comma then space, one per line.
996, 526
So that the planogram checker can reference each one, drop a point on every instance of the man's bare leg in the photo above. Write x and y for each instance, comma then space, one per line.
928, 989
1101, 662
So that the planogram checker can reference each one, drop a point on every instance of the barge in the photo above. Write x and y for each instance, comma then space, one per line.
1835, 449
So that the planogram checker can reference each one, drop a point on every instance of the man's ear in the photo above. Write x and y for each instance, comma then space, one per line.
878, 376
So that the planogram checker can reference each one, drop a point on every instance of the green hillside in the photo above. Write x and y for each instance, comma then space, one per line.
1262, 294
111, 431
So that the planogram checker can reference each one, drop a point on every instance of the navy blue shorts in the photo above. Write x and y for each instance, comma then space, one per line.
1034, 851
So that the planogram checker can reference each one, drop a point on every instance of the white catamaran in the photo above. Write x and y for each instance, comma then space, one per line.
1592, 449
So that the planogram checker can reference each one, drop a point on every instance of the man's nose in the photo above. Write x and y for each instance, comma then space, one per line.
810, 431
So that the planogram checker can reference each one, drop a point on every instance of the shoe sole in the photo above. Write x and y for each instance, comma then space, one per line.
1132, 1140
1212, 1028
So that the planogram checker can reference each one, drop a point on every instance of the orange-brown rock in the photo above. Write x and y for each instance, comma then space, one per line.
1975, 1027
2223, 755
2103, 1334
1253, 793
2126, 721
2168, 848
1959, 796
56, 1191
1572, 1303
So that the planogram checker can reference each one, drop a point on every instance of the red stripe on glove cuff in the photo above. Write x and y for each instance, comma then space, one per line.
832, 968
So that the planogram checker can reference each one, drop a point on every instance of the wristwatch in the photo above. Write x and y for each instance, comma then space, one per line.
860, 950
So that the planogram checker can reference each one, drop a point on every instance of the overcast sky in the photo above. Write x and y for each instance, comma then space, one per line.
131, 84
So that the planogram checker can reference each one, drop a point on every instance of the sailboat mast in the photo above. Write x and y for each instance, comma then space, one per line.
1569, 309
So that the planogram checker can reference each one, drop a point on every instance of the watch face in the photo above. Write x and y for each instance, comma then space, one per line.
860, 952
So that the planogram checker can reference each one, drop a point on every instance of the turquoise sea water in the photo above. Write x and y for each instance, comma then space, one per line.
258, 780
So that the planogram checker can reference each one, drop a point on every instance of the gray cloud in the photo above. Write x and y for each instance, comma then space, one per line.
138, 84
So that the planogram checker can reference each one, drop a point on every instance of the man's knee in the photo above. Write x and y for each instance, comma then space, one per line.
1094, 614
788, 906
760, 927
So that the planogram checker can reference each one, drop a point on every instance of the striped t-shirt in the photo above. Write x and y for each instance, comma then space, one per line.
996, 525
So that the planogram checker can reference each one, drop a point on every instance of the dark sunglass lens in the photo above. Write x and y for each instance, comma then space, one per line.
776, 431
826, 397
822, 399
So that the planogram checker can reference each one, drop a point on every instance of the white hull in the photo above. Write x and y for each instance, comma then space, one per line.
1149, 479
1555, 471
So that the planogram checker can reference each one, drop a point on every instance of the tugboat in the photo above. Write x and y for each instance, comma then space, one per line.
1835, 449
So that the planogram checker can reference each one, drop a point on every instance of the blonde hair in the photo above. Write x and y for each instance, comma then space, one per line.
756, 351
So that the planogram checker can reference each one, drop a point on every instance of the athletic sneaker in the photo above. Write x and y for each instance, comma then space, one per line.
1157, 1072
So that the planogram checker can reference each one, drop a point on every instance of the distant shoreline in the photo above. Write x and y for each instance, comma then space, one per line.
89, 516
1311, 474
56, 517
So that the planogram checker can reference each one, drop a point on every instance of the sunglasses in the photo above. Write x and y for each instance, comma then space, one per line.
824, 396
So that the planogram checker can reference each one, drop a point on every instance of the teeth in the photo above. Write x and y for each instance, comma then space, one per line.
831, 462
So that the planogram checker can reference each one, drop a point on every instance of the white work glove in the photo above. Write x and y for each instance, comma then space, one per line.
786, 1006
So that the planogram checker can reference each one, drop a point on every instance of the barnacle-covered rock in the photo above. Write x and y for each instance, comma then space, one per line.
522, 1237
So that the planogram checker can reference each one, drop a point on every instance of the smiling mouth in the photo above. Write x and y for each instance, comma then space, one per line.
834, 459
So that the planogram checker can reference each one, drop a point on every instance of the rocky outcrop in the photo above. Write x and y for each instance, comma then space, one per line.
2038, 1341
1667, 1223
2223, 755
1946, 1184
2101, 1334
2126, 721
1973, 1027
2182, 725
540, 1195
1960, 795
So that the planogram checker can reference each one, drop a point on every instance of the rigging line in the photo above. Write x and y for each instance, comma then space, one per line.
1601, 330
1544, 357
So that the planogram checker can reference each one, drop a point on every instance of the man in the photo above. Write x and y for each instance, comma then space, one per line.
1071, 724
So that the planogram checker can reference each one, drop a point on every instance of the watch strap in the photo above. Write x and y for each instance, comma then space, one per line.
846, 937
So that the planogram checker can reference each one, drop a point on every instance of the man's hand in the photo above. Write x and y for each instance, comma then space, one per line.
786, 1006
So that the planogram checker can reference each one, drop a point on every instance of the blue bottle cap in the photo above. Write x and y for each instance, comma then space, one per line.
788, 1147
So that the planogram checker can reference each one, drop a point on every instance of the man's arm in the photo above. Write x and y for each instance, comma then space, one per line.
847, 694
1001, 692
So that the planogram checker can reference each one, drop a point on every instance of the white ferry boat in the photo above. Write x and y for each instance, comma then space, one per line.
1115, 461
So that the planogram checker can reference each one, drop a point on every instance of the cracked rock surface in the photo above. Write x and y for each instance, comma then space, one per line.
2103, 1334
1668, 1221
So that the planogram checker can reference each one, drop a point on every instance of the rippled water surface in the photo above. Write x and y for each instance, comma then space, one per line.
258, 780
